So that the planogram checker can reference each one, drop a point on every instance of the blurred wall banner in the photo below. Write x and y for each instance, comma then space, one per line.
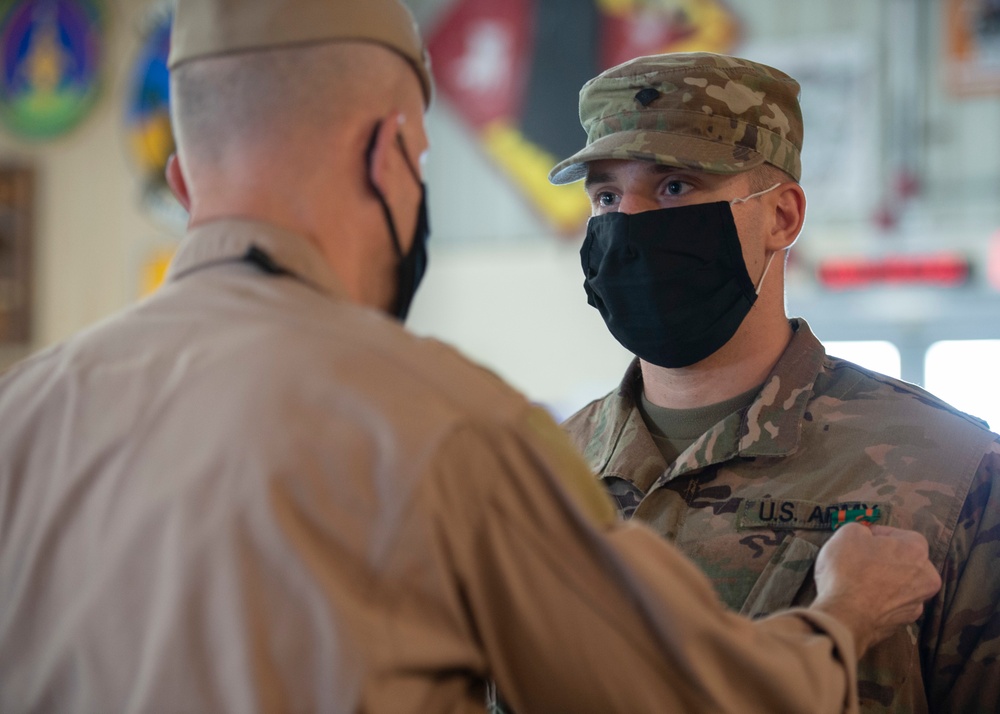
148, 131
51, 53
972, 44
16, 206
513, 70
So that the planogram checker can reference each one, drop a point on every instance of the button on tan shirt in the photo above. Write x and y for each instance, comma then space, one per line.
248, 494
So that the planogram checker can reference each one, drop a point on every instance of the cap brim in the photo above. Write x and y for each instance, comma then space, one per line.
680, 150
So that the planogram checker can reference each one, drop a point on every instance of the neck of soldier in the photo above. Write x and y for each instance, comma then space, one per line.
740, 365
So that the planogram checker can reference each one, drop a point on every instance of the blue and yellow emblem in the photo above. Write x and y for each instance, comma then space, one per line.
147, 118
50, 60
147, 111
150, 139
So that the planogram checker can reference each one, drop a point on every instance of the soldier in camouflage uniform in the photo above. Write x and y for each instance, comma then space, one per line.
733, 433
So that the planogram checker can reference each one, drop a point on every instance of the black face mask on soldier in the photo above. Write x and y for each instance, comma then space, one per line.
412, 265
671, 284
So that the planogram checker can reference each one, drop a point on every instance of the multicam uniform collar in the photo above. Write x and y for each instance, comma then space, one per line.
769, 427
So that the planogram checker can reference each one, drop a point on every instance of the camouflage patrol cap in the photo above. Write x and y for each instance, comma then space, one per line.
691, 110
208, 28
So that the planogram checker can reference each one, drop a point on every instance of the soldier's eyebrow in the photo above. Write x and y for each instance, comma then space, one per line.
592, 178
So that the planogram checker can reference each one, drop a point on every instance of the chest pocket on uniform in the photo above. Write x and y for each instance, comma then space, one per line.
786, 580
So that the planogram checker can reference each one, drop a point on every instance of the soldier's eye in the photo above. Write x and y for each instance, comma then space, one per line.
606, 199
676, 187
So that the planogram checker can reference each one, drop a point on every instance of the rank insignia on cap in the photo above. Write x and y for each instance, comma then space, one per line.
647, 96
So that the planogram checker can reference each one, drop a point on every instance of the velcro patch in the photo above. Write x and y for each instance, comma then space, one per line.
788, 514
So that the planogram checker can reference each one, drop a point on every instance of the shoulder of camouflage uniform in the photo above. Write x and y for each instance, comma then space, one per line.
905, 388
584, 414
586, 424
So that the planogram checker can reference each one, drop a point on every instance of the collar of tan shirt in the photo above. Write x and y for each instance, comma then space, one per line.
274, 249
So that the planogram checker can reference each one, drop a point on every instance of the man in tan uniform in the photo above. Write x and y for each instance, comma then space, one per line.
733, 433
255, 491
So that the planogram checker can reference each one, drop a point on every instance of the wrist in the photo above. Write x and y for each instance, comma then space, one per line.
856, 623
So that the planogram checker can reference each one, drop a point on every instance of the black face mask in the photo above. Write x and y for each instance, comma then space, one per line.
671, 284
412, 265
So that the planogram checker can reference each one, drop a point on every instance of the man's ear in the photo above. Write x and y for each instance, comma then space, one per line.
177, 182
381, 152
789, 216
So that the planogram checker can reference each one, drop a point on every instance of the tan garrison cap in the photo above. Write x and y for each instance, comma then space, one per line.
691, 110
207, 28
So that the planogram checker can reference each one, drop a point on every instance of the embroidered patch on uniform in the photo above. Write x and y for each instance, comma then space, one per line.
789, 514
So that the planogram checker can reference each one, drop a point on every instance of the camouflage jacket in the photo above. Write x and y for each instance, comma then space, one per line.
751, 503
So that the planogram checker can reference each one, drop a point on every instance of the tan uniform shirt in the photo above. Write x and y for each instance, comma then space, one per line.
248, 494
753, 499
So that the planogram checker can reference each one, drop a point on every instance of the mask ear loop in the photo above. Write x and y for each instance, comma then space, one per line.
369, 150
760, 283
753, 195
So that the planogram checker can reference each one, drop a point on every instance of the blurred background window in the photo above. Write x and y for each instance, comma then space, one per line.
965, 374
877, 355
